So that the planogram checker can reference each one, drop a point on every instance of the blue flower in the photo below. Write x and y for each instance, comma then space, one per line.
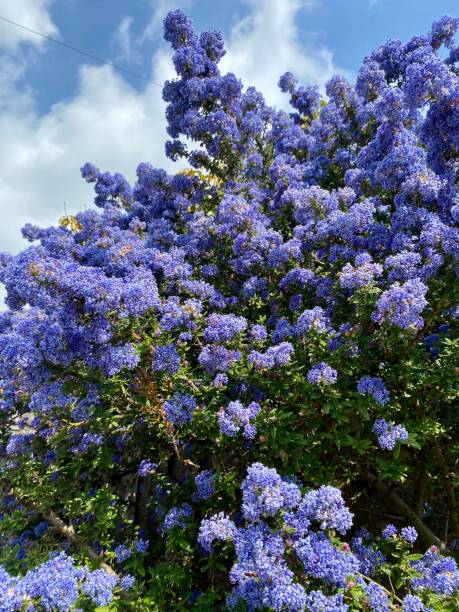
166, 359
322, 374
389, 434
374, 386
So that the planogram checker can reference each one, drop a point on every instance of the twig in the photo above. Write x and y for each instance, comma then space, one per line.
382, 587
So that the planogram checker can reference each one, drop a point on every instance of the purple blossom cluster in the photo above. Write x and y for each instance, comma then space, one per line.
218, 527
166, 359
374, 386
317, 601
264, 493
146, 467
377, 597
361, 274
326, 506
179, 408
57, 584
312, 320
236, 416
261, 576
402, 304
223, 328
389, 531
177, 516
438, 574
409, 534
122, 553
389, 434
322, 374
204, 485
370, 559
277, 355
214, 358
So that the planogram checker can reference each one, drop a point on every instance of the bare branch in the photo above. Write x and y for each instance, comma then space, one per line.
385, 492
68, 532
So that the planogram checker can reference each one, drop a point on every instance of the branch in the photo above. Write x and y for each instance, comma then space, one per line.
420, 490
449, 487
69, 533
142, 498
388, 495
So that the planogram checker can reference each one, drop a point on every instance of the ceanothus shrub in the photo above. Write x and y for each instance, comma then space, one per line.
237, 385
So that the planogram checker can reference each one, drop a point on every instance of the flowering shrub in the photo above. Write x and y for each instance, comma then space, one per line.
221, 386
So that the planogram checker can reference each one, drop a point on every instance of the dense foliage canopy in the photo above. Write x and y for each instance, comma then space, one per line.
237, 386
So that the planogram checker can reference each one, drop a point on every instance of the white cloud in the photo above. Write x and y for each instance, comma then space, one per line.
33, 14
107, 123
266, 43
123, 37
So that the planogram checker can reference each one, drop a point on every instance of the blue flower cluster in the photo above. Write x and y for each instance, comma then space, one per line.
177, 517
304, 526
322, 374
218, 527
204, 485
389, 434
179, 408
57, 584
374, 386
261, 575
437, 574
146, 467
236, 416
402, 304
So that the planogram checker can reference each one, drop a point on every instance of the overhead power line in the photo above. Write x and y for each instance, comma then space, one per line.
80, 51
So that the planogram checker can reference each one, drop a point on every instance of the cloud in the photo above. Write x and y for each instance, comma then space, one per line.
123, 37
266, 43
107, 123
33, 14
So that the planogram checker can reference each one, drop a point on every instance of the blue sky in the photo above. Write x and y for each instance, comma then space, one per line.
347, 28
59, 109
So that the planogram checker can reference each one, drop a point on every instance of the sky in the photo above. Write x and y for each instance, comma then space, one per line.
59, 109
